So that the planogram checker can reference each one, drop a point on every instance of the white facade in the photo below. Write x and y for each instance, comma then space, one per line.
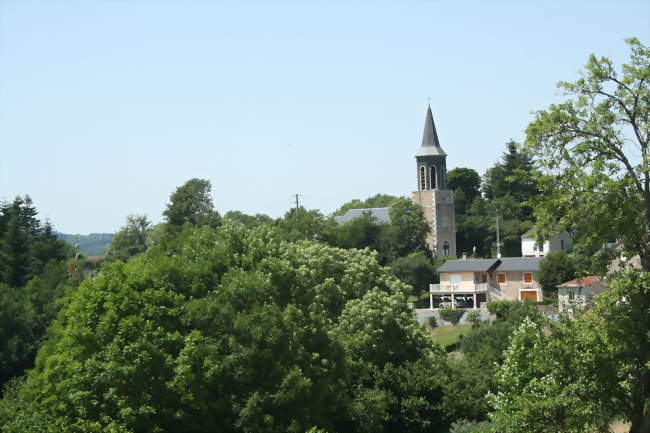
576, 297
557, 242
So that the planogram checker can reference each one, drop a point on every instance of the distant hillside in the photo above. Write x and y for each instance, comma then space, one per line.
94, 244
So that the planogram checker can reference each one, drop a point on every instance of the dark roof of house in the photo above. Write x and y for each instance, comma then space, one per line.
519, 264
381, 214
503, 264
430, 142
469, 265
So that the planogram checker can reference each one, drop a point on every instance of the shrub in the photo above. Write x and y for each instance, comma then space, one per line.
472, 427
473, 316
452, 315
433, 322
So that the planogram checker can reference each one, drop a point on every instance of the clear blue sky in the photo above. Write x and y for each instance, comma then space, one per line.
107, 106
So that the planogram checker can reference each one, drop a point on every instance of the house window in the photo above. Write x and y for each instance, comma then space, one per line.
434, 180
501, 277
528, 277
541, 248
484, 278
423, 178
572, 295
562, 244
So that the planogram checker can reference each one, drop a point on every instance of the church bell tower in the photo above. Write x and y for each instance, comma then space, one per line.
436, 200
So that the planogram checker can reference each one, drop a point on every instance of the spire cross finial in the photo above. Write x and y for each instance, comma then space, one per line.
429, 100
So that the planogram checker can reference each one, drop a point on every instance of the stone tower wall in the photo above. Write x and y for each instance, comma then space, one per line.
438, 206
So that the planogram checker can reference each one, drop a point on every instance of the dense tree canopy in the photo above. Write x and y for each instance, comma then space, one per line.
240, 331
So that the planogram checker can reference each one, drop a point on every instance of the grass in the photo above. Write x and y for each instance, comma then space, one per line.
448, 335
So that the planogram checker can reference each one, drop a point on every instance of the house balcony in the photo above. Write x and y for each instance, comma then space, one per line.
448, 289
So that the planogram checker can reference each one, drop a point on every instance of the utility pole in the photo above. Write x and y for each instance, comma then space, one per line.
297, 203
498, 243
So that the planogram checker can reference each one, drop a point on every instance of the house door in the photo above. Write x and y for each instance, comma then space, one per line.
483, 278
528, 295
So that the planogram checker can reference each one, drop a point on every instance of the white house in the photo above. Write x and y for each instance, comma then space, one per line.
556, 242
577, 294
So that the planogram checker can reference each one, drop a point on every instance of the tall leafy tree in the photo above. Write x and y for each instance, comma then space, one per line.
303, 224
130, 240
595, 148
191, 203
556, 267
407, 230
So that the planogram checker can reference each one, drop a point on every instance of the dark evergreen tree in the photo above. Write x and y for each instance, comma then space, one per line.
513, 176
466, 184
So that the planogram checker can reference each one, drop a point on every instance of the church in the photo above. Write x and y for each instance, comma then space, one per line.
432, 194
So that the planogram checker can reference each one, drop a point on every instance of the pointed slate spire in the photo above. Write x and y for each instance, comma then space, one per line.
430, 143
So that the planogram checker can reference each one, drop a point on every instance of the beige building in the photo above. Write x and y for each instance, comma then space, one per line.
471, 283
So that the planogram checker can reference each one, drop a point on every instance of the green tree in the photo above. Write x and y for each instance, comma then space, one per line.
130, 240
514, 176
466, 184
585, 372
416, 270
595, 149
302, 224
248, 220
239, 330
377, 200
556, 267
361, 232
26, 245
406, 232
191, 203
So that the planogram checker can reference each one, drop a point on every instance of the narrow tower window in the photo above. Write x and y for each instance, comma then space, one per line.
423, 178
434, 179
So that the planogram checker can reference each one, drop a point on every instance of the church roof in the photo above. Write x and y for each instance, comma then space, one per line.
380, 214
430, 142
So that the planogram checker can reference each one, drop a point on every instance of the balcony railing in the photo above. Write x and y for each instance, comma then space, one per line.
458, 288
